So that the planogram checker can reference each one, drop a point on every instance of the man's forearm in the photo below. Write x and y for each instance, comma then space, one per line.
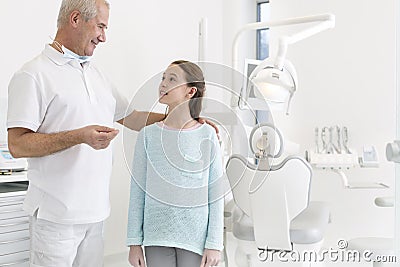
139, 119
26, 143
31, 144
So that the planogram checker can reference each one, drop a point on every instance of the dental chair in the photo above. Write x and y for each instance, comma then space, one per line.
273, 204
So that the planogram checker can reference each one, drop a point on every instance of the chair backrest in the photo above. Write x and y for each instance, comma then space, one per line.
240, 176
276, 197
271, 198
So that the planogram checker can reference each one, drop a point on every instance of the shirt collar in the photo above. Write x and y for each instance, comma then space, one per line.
57, 57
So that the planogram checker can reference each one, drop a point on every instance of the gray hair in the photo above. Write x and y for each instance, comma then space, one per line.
87, 8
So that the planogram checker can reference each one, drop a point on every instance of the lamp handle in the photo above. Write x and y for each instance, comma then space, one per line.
258, 126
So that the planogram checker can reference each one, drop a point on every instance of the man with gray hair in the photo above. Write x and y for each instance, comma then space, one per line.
61, 112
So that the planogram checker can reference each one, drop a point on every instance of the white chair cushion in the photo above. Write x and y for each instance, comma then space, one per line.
307, 228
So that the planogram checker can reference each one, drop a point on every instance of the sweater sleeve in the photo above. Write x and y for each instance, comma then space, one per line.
137, 193
215, 229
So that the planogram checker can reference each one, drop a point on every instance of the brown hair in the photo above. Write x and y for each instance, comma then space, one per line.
194, 78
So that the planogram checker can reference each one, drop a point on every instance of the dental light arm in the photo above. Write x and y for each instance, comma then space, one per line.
326, 21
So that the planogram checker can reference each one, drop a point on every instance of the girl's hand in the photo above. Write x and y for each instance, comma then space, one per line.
136, 258
211, 257
212, 124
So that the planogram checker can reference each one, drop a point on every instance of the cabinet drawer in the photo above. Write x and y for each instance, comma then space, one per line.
14, 236
12, 246
14, 224
12, 210
12, 191
11, 199
19, 259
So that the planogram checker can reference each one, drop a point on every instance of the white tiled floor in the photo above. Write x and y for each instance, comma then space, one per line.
120, 260
231, 247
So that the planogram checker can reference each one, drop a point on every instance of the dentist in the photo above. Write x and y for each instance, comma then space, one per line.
61, 112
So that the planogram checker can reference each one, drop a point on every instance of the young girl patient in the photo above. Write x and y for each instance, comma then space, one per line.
176, 200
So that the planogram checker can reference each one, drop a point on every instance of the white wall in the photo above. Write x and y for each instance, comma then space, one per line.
143, 38
347, 78
27, 25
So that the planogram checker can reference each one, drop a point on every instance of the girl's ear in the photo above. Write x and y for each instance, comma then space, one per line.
192, 91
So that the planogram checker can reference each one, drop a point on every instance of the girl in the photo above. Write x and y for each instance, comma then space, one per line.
176, 204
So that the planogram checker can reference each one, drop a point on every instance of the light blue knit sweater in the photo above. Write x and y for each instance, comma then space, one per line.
176, 195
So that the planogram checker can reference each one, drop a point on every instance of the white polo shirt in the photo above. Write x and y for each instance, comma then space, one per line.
52, 94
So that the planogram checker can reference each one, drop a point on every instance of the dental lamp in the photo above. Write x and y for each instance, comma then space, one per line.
276, 78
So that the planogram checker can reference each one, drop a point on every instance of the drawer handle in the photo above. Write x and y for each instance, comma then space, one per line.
14, 263
15, 231
14, 241
9, 211
13, 253
11, 203
14, 224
